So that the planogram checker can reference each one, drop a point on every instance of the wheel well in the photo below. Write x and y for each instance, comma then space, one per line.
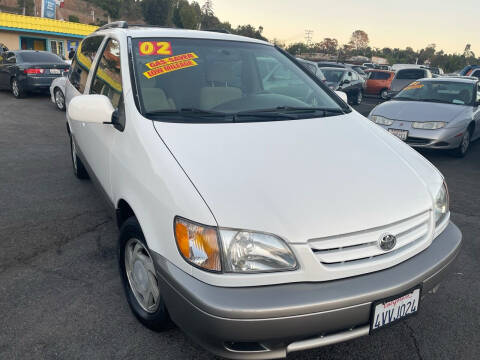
123, 212
471, 127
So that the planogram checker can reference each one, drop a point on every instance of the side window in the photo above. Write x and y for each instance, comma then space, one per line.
476, 73
478, 93
108, 78
82, 62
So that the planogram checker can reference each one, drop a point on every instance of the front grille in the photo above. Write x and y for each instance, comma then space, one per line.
361, 248
418, 141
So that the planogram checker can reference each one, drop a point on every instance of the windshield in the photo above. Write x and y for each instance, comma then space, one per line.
333, 75
39, 57
209, 79
447, 92
410, 74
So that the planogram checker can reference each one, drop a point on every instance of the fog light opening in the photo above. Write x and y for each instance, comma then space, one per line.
245, 346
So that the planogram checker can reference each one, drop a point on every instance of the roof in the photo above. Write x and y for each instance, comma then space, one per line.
146, 32
13, 22
456, 79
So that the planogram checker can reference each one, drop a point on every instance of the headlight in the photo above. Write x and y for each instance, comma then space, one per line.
380, 120
246, 251
441, 205
198, 244
429, 125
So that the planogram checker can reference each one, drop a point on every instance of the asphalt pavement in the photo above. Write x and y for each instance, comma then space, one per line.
61, 295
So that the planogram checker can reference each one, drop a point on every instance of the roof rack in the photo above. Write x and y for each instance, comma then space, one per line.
112, 25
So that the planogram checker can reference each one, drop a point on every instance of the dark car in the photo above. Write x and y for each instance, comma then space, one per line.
346, 80
27, 70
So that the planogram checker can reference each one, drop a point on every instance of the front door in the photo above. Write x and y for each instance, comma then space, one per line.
96, 140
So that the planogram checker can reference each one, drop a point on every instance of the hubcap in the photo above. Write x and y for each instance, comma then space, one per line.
15, 87
141, 275
59, 99
465, 142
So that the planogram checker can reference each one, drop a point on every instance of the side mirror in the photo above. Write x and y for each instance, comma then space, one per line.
91, 108
342, 95
346, 81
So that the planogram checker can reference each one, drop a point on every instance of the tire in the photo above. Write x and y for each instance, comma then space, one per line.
59, 99
78, 169
384, 94
357, 100
17, 89
462, 149
138, 275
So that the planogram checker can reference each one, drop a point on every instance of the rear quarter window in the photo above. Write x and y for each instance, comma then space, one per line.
378, 75
410, 74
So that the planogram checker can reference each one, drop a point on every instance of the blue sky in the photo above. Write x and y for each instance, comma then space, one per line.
414, 23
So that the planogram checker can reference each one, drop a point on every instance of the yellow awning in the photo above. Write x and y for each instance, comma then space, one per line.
44, 25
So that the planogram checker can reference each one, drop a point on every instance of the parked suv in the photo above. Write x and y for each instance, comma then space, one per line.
237, 220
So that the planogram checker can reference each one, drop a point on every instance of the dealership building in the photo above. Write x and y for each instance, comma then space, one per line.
35, 33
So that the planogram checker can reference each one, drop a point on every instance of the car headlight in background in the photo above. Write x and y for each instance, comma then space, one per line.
380, 120
239, 251
441, 205
246, 251
429, 125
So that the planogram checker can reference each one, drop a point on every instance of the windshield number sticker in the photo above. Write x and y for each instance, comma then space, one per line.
173, 63
155, 48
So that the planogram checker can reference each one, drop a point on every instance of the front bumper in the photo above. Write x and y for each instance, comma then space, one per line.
268, 322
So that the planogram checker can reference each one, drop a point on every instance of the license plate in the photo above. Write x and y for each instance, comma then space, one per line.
401, 134
389, 311
55, 71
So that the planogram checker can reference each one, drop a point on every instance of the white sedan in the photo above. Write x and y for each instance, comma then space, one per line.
57, 92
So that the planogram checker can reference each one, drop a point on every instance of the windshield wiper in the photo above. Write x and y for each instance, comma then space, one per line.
435, 101
185, 111
404, 98
289, 110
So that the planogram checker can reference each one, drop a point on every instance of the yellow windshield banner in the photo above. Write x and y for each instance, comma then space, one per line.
165, 69
170, 60
414, 85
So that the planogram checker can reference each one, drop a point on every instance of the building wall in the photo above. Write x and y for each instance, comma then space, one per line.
12, 39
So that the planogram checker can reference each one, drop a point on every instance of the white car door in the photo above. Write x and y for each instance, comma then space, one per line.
96, 140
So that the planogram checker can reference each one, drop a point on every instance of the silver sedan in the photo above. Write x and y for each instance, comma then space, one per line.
439, 113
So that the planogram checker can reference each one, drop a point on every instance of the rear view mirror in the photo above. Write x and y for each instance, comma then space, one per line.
91, 108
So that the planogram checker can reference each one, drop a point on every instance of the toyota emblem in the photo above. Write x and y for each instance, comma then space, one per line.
387, 242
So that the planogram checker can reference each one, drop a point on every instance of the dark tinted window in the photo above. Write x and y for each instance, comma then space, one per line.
410, 74
82, 61
39, 57
108, 78
476, 73
378, 75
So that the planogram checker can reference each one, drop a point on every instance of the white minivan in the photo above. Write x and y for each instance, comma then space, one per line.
262, 220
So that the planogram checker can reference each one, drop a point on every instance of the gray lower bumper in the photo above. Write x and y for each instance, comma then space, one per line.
269, 321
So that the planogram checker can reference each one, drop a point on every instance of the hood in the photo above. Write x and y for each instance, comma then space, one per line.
301, 179
420, 111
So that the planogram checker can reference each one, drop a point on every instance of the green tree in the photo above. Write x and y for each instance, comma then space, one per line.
186, 15
250, 31
328, 46
157, 12
359, 40
73, 18
298, 48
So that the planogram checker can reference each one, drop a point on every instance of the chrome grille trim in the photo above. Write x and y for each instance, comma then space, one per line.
361, 249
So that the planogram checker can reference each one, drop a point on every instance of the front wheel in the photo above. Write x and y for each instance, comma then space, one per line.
462, 149
139, 278
17, 89
384, 94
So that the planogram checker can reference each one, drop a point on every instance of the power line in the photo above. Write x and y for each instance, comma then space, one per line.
308, 37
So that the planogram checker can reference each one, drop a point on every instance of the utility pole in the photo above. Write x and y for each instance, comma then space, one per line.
308, 37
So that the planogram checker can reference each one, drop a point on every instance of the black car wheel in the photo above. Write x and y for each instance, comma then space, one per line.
17, 89
358, 97
139, 278
78, 169
59, 99
462, 149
